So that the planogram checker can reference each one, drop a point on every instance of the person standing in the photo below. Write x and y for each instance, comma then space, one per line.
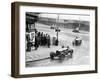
48, 41
36, 42
28, 43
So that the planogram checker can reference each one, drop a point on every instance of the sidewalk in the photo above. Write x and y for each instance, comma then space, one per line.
41, 53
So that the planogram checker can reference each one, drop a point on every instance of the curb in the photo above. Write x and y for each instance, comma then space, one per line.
38, 59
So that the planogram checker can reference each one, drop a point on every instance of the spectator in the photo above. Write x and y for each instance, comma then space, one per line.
48, 41
36, 42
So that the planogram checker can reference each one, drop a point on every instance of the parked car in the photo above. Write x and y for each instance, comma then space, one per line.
77, 41
61, 53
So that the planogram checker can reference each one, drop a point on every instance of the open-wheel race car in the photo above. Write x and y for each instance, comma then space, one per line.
77, 41
61, 53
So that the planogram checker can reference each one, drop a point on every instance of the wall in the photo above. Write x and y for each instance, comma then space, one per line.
5, 40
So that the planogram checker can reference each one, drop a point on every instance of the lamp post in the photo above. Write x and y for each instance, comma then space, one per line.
57, 30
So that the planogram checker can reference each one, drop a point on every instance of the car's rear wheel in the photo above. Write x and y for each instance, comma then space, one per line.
73, 43
52, 55
80, 42
71, 53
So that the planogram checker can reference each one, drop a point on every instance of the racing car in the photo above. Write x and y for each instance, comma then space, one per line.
77, 41
61, 53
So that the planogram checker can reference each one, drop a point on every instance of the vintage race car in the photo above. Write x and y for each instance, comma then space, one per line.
77, 41
61, 53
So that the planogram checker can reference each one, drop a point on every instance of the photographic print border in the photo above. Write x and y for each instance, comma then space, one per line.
15, 32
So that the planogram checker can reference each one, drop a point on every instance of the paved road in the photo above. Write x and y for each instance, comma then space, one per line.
80, 57
66, 36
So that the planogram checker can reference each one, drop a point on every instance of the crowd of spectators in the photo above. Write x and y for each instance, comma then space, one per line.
42, 39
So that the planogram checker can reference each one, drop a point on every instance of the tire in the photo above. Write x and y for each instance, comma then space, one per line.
61, 57
71, 54
77, 43
81, 42
52, 55
73, 43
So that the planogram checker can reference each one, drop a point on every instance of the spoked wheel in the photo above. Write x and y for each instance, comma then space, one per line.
71, 54
52, 55
62, 57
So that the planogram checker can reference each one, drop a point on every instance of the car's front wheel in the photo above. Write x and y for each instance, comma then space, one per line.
62, 57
